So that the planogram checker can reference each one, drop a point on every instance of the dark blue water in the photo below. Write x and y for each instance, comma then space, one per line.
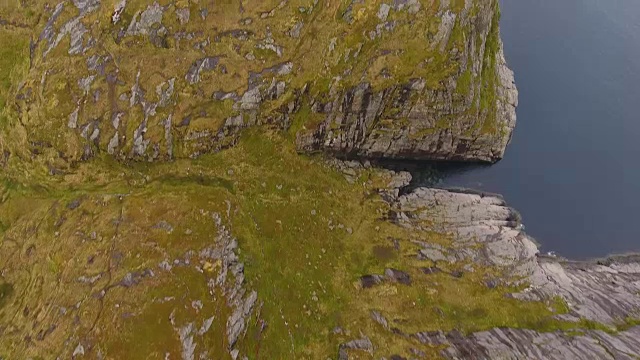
573, 167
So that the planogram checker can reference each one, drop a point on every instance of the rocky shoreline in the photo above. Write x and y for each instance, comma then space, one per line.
605, 291
222, 100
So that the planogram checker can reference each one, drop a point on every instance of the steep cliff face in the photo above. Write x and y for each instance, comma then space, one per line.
163, 80
469, 115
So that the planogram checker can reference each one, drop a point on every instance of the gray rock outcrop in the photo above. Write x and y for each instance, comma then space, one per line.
472, 219
606, 291
448, 95
529, 344
161, 90
356, 123
486, 231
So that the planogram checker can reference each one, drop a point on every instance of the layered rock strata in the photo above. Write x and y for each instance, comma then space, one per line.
158, 81
486, 231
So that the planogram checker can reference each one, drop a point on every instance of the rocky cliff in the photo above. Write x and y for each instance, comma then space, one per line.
164, 80
154, 203
599, 295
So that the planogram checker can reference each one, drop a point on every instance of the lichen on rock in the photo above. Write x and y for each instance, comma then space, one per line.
373, 96
154, 201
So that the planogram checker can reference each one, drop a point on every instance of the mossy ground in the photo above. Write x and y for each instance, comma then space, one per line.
306, 234
306, 237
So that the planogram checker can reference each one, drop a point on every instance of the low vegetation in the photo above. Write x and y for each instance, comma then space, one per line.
304, 248
99, 253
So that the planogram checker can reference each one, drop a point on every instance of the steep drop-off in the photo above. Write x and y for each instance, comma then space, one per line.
168, 191
164, 80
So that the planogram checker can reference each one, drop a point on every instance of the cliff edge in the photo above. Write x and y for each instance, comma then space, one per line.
600, 296
154, 201
165, 80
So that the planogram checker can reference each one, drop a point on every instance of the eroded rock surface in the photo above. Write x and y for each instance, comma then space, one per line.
486, 231
606, 291
386, 79
472, 219
529, 344
358, 123
105, 259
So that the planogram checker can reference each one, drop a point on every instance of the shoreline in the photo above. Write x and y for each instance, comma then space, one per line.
603, 294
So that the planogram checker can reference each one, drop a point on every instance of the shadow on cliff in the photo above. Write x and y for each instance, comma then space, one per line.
429, 173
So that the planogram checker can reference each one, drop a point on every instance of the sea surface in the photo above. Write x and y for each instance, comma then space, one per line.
573, 167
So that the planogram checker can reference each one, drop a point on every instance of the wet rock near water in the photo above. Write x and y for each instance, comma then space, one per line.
486, 231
